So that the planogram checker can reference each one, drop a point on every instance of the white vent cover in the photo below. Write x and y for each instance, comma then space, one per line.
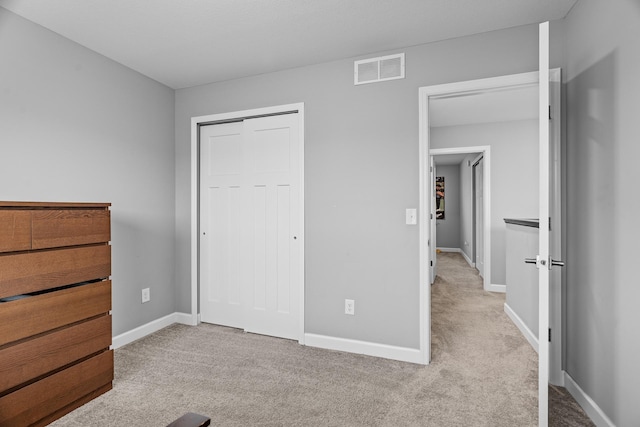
379, 69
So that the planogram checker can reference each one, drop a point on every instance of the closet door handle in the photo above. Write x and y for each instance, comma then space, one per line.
530, 260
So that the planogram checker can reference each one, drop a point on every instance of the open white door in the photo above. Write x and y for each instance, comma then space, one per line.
543, 259
556, 374
550, 241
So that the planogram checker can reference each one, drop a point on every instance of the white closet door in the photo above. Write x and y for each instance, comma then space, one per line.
272, 254
221, 224
250, 204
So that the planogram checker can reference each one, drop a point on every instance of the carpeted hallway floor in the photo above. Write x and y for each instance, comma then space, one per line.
483, 373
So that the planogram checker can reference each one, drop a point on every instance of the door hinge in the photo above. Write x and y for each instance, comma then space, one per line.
431, 216
549, 334
429, 242
431, 263
549, 112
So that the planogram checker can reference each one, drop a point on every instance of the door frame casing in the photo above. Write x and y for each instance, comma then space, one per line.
485, 151
474, 206
198, 121
425, 92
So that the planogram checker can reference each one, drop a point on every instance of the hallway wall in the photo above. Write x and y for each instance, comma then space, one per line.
514, 174
448, 229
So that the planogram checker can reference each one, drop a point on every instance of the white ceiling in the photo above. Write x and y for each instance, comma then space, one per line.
450, 159
192, 42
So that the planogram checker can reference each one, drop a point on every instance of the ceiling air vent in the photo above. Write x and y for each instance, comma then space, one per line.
379, 69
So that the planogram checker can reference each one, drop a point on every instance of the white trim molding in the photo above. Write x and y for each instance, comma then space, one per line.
448, 249
425, 190
591, 408
149, 328
528, 334
466, 258
424, 222
501, 289
403, 354
485, 151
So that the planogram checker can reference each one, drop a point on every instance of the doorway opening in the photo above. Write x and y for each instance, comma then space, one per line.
468, 218
498, 86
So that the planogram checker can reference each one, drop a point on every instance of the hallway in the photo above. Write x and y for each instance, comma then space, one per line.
487, 353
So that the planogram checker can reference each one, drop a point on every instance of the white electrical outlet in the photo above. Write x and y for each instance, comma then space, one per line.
349, 307
146, 295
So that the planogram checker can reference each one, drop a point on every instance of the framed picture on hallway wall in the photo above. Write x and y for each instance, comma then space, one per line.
440, 197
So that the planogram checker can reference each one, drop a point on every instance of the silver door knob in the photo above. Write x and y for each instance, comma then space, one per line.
530, 260
558, 263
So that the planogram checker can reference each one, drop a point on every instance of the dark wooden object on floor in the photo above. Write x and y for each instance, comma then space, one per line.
55, 303
191, 420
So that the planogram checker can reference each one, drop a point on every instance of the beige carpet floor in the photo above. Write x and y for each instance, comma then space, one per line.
483, 373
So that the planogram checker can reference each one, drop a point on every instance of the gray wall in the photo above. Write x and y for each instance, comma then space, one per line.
514, 174
361, 166
603, 204
76, 126
448, 229
522, 279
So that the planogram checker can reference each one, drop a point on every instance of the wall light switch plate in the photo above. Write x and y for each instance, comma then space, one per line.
411, 216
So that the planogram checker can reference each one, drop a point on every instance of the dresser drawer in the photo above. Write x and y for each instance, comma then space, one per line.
25, 273
41, 313
15, 230
35, 357
51, 397
68, 227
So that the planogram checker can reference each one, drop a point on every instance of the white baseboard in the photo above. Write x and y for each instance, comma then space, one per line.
149, 328
187, 319
403, 354
466, 258
530, 336
448, 249
592, 409
498, 288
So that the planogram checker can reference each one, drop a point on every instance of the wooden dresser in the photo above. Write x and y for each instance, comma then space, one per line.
55, 303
